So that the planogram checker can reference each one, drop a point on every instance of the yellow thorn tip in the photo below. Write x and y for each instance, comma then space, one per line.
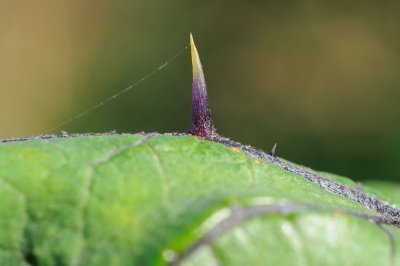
196, 64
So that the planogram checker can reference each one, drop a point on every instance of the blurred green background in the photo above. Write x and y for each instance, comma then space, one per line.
321, 78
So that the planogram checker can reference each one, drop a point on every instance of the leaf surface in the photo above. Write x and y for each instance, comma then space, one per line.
163, 199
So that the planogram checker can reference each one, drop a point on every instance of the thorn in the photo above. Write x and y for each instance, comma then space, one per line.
273, 150
202, 125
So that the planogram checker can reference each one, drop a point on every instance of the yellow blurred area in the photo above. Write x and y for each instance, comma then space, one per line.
320, 77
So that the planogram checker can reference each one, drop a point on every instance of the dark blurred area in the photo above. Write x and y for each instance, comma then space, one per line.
321, 78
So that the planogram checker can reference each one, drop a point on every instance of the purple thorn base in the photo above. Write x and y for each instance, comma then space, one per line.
202, 125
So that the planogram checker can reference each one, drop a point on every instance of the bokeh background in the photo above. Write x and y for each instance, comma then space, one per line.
321, 78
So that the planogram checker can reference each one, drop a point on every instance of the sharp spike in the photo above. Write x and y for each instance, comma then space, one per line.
202, 125
273, 150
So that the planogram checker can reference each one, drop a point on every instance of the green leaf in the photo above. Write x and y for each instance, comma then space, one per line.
386, 190
164, 199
